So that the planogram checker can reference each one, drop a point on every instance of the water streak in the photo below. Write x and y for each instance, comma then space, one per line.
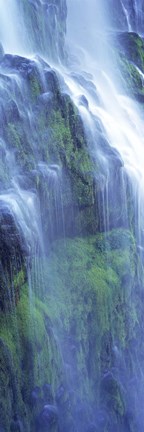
126, 13
11, 27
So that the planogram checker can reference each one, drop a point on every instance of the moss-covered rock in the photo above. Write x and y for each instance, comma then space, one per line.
130, 61
133, 47
82, 292
46, 23
50, 147
29, 358
85, 291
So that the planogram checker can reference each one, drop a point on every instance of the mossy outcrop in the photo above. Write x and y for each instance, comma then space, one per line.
133, 47
87, 289
130, 61
46, 24
51, 150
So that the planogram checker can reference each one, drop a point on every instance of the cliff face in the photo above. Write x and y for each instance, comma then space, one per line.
70, 292
46, 24
127, 15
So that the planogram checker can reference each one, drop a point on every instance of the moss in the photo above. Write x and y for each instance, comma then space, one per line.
63, 143
34, 86
112, 397
13, 135
18, 281
34, 355
89, 291
82, 300
131, 78
4, 174
129, 53
47, 30
134, 47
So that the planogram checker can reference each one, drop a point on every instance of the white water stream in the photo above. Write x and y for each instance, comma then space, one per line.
12, 29
127, 16
120, 116
88, 76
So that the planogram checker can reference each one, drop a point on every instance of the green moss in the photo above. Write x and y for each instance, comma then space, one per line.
83, 298
88, 288
4, 174
35, 86
112, 397
134, 46
131, 78
63, 142
13, 135
30, 344
19, 279
129, 54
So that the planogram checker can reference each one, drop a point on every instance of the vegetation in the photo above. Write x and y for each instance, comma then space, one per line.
81, 298
86, 290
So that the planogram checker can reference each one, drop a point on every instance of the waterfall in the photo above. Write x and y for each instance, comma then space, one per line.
134, 13
139, 15
26, 28
12, 27
120, 116
71, 217
127, 17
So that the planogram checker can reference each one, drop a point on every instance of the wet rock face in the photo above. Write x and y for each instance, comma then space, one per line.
129, 49
127, 14
47, 418
49, 15
132, 45
16, 424
51, 151
13, 251
10, 235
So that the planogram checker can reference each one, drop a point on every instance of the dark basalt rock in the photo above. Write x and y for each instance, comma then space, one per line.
16, 424
92, 428
10, 235
46, 14
27, 68
85, 81
101, 419
83, 101
52, 81
132, 45
12, 111
111, 154
60, 395
120, 11
45, 99
47, 393
18, 63
47, 418
13, 252
35, 396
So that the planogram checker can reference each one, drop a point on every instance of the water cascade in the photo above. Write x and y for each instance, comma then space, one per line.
71, 213
127, 16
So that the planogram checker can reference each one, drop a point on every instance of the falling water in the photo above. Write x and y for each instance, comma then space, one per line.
134, 13
12, 27
120, 116
139, 15
113, 125
127, 16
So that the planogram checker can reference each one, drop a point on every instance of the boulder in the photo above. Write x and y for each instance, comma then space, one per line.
47, 418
